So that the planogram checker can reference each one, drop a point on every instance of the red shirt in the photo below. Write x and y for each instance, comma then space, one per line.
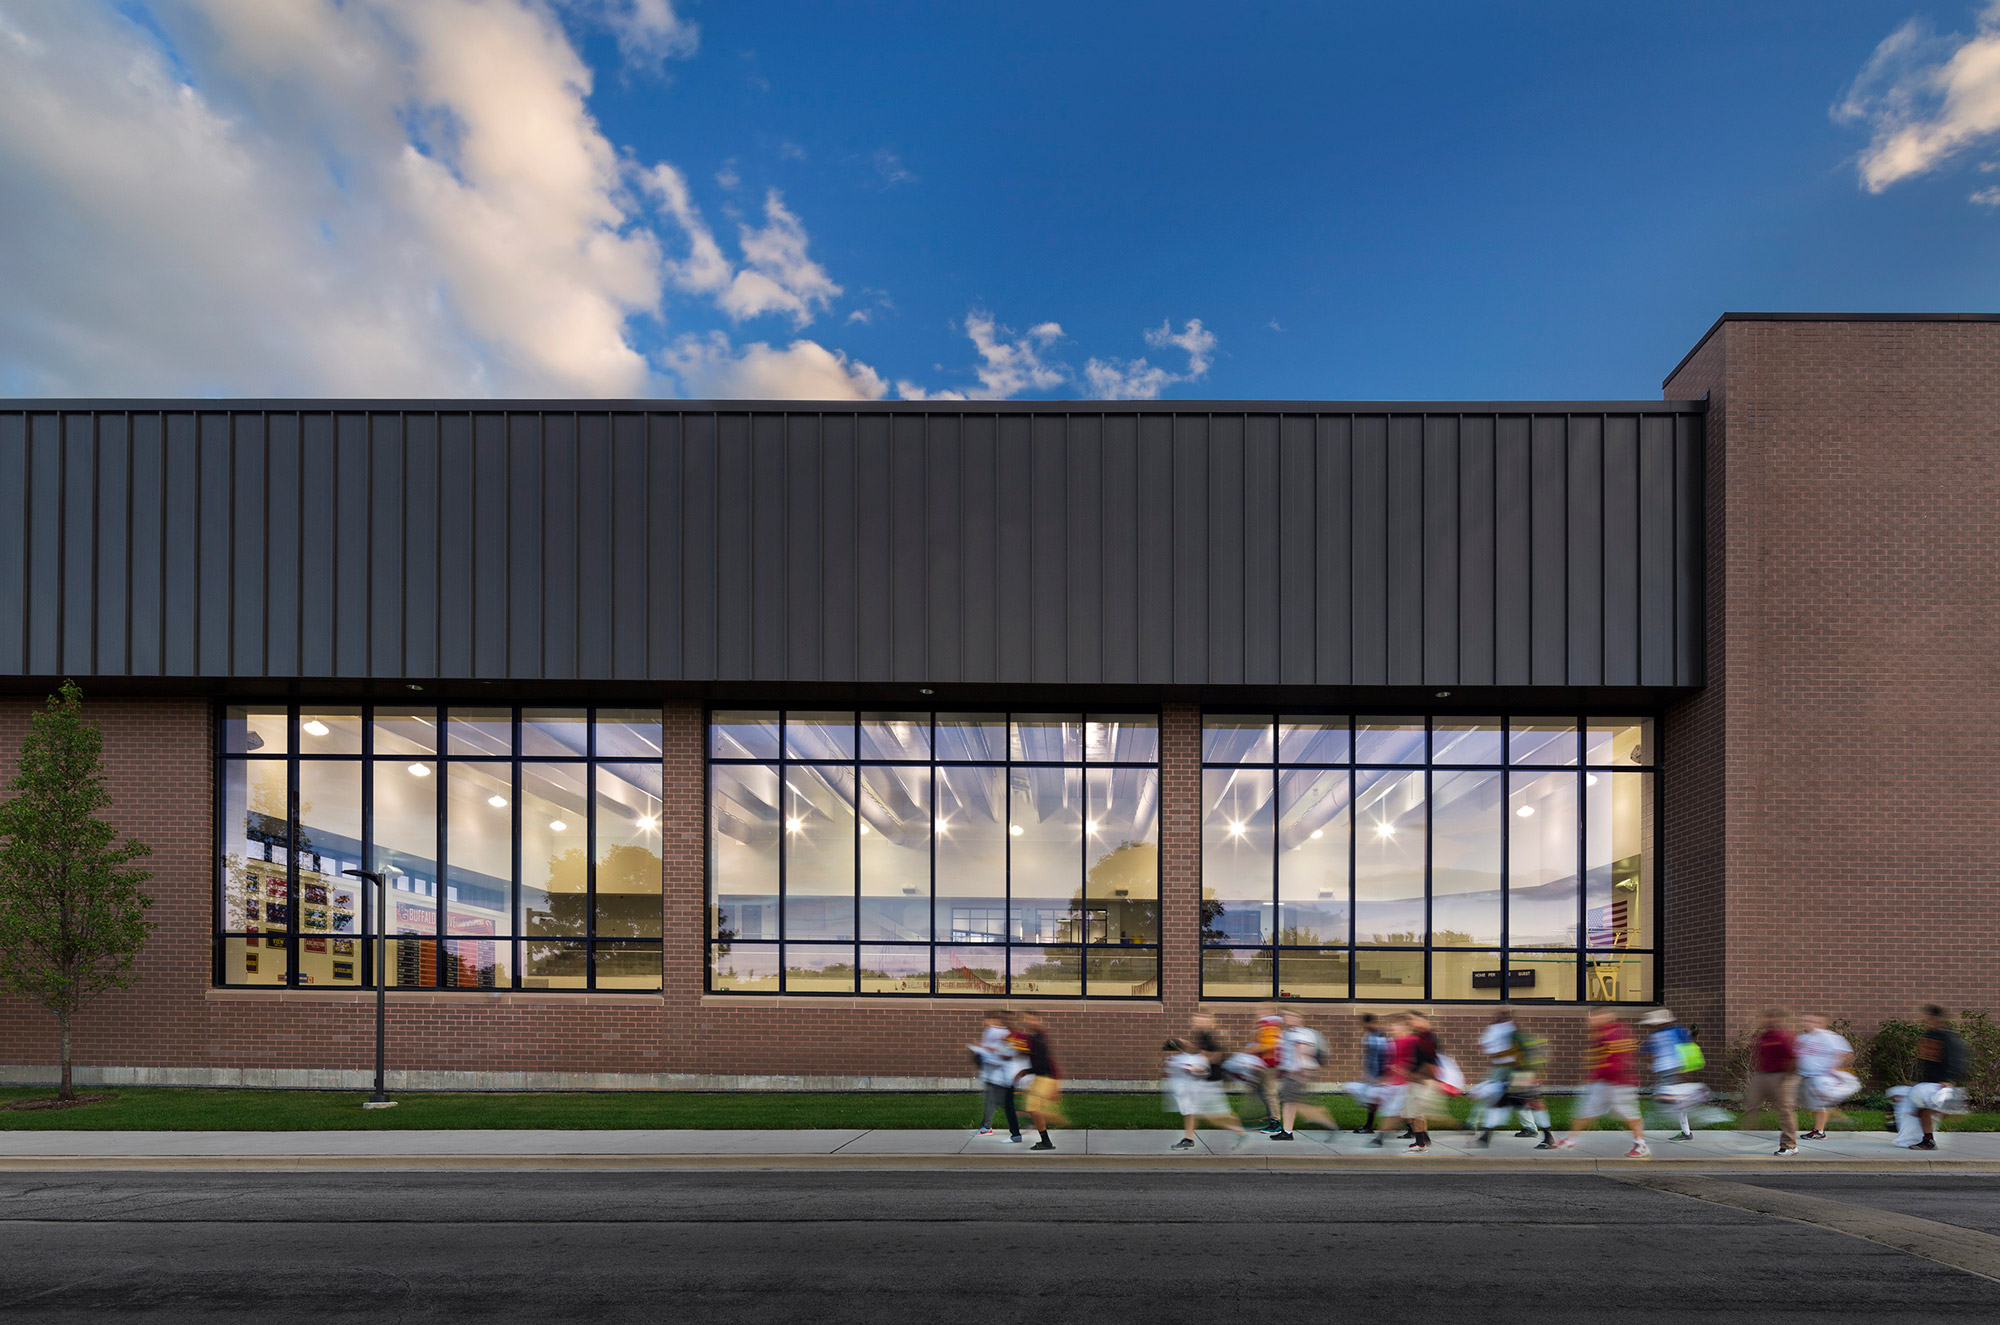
1614, 1055
1270, 1034
1774, 1051
1402, 1057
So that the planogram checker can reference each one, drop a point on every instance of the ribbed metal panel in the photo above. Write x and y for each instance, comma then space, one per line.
1226, 544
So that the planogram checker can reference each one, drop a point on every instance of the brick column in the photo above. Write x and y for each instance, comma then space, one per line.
683, 838
1180, 861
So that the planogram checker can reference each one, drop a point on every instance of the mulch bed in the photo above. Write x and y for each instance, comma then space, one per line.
52, 1102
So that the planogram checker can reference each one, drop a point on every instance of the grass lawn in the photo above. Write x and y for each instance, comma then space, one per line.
174, 1110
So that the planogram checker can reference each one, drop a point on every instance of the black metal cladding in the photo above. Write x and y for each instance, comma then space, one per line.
1214, 544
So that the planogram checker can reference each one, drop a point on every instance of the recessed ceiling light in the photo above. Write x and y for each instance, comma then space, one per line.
646, 824
420, 771
314, 727
1444, 694
1385, 830
1526, 811
497, 802
927, 692
1236, 830
793, 825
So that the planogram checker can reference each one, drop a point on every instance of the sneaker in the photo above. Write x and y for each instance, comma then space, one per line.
1270, 1125
1043, 1145
1639, 1150
1484, 1139
1786, 1150
1926, 1144
1407, 1134
1814, 1135
984, 1131
1364, 1131
1185, 1143
1283, 1136
1417, 1148
1527, 1134
1681, 1136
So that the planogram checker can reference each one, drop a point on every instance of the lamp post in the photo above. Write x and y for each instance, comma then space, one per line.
380, 878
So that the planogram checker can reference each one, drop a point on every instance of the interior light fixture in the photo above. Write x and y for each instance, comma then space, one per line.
793, 825
314, 727
1090, 826
1015, 831
419, 771
941, 823
1526, 811
1236, 830
927, 692
864, 829
557, 826
1590, 779
1385, 830
646, 824
497, 802
1318, 833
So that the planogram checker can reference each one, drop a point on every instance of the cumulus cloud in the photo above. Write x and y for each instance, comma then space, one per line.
1009, 363
648, 29
1925, 98
777, 276
1137, 379
711, 368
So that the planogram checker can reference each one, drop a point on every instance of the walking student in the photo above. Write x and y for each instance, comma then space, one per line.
1044, 1080
1515, 1059
1667, 1043
1941, 1061
1614, 1084
1300, 1052
997, 1070
1374, 1066
1822, 1051
1410, 1093
1193, 1087
1267, 1044
1774, 1079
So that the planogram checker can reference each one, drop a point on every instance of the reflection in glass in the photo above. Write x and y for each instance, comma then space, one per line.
1623, 741
1116, 974
628, 734
255, 846
819, 851
555, 871
971, 855
479, 830
1238, 868
1466, 821
629, 867
477, 964
972, 970
819, 968
1313, 973
1542, 897
330, 731
248, 962
329, 843
1542, 741
1229, 740
1389, 824
886, 970
1465, 975
1046, 864
405, 842
896, 736
476, 731
743, 968
896, 853
971, 737
256, 729
1237, 973
819, 736
1466, 741
1618, 880
1046, 738
743, 735
1121, 852
554, 965
1395, 977
1313, 741
744, 827
1045, 972
554, 732
1126, 738
1388, 740
1312, 855
626, 965
406, 731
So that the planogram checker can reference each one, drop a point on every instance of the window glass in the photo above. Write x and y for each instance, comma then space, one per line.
1466, 821
1046, 857
1046, 738
744, 830
1121, 739
819, 852
330, 731
552, 964
1390, 818
1618, 877
1313, 741
971, 738
899, 736
256, 960
743, 968
895, 970
1466, 741
1127, 974
971, 844
1044, 972
1626, 741
972, 970
406, 731
1543, 899
476, 964
404, 827
626, 965
1619, 977
556, 733
480, 732
479, 825
1239, 973
1388, 740
1313, 972
255, 729
328, 902
1541, 977
1542, 741
1313, 856
819, 968
1465, 976
743, 735
1232, 740
255, 846
628, 734
555, 859
1121, 853
1238, 865
895, 829
629, 867
1388, 977
819, 735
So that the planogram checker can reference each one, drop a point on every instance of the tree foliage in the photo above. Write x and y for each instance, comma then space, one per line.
72, 912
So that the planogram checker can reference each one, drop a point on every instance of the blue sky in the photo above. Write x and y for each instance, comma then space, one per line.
1445, 201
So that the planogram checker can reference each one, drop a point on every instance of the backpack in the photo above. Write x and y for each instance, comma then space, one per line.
1692, 1058
1530, 1051
1957, 1063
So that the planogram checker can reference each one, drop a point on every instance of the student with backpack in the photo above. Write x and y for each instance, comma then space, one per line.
1941, 1064
1515, 1058
1374, 1066
1300, 1051
1672, 1052
994, 1052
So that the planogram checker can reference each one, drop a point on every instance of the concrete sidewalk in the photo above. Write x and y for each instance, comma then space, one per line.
58, 1150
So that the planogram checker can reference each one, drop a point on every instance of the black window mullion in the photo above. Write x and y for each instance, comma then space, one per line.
784, 844
1277, 818
441, 793
589, 848
1353, 862
515, 914
1506, 871
1430, 824
1007, 889
1582, 873
292, 948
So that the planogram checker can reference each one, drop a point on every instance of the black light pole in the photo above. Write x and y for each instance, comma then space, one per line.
380, 1099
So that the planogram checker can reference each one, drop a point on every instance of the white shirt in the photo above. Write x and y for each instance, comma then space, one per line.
1497, 1038
1820, 1052
1298, 1050
997, 1065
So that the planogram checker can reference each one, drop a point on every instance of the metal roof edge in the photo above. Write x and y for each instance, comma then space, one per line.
59, 404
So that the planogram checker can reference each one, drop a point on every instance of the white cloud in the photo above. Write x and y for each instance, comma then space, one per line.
777, 276
727, 178
704, 270
891, 169
709, 367
1008, 363
1137, 379
1986, 197
1925, 98
646, 29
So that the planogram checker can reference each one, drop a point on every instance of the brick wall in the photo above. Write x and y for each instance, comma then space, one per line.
1832, 835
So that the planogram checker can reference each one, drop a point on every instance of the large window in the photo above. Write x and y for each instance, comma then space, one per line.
522, 846
1440, 859
949, 853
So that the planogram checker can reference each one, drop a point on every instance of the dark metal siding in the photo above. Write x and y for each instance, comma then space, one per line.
1199, 545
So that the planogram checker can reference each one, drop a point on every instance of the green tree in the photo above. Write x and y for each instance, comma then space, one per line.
72, 913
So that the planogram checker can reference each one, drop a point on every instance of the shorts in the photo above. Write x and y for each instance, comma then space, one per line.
1196, 1097
1042, 1096
1294, 1090
1389, 1102
1421, 1099
1603, 1097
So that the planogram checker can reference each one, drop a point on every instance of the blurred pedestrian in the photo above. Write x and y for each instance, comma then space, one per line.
1193, 1088
997, 1070
1374, 1066
1411, 1093
1301, 1050
1667, 1045
1514, 1061
1042, 1079
1614, 1084
1774, 1079
1267, 1045
1941, 1063
1823, 1052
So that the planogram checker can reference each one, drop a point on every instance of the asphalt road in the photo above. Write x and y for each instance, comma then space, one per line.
937, 1248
